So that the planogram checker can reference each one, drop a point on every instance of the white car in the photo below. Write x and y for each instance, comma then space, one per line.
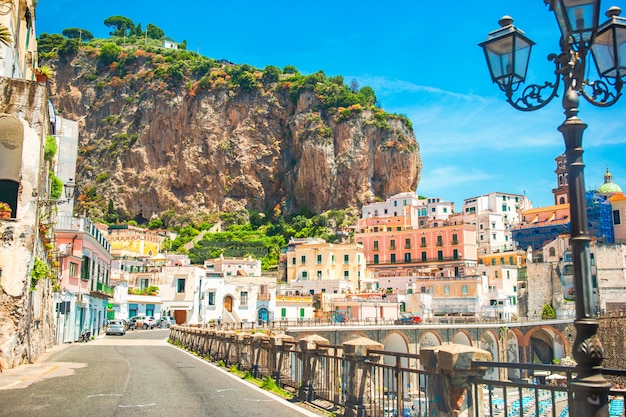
143, 322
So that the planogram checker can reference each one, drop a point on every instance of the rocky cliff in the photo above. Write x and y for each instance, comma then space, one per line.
159, 132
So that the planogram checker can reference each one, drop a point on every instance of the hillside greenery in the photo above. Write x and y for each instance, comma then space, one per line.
129, 44
254, 234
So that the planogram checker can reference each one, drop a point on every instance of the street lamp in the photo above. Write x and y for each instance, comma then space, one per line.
507, 51
69, 189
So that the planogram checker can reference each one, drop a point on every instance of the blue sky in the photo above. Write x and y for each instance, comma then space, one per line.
420, 57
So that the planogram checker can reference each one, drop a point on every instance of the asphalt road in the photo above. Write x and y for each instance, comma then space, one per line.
138, 374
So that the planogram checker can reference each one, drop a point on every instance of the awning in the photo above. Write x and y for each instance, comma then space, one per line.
178, 307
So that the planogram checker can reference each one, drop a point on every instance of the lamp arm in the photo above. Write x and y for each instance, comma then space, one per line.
600, 94
532, 96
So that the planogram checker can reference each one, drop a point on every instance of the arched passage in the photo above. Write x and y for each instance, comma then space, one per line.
462, 338
489, 342
11, 148
429, 339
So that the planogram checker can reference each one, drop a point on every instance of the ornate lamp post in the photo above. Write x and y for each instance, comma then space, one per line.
507, 51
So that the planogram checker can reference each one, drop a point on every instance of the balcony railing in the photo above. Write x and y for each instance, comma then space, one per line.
102, 289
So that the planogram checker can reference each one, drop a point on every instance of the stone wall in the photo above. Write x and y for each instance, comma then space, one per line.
26, 315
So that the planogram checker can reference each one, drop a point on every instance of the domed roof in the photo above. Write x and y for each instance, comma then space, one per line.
609, 187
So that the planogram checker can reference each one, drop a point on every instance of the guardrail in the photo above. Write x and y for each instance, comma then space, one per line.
360, 379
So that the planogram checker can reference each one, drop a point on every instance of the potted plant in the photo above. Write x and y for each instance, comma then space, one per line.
43, 73
5, 210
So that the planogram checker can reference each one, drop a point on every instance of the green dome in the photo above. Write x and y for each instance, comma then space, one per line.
609, 188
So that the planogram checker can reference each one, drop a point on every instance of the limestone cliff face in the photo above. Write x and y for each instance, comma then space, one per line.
151, 143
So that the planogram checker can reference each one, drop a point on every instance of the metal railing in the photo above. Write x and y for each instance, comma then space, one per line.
384, 383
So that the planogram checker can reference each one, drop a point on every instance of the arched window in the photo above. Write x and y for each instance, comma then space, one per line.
552, 252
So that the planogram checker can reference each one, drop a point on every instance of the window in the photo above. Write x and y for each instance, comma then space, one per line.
393, 258
375, 229
511, 260
407, 243
423, 241
375, 245
346, 259
395, 204
143, 283
446, 289
301, 313
346, 274
211, 298
332, 259
392, 244
243, 299
319, 259
440, 255
496, 274
508, 274
424, 257
439, 240
305, 275
389, 229
464, 290
407, 257
283, 312
303, 259
73, 269
375, 259
455, 239
180, 285
493, 261
293, 260
84, 270
616, 217
319, 274
455, 254
456, 271
445, 209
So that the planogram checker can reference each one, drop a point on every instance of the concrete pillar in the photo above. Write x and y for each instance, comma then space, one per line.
450, 393
309, 347
280, 344
359, 386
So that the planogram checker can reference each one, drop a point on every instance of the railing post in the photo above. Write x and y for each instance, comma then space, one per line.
359, 386
308, 349
451, 371
278, 347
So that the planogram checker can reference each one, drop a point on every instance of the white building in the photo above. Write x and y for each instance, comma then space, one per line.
226, 267
493, 215
236, 299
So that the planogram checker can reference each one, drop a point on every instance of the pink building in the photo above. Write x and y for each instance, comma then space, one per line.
449, 249
84, 273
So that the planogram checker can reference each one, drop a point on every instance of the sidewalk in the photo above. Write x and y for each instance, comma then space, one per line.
24, 375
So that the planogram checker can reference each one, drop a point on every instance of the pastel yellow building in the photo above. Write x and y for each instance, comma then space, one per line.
131, 241
321, 261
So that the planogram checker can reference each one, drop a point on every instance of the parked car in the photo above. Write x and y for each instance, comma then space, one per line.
166, 322
143, 322
408, 320
116, 327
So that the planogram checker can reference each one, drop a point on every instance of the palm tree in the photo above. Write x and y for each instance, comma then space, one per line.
5, 35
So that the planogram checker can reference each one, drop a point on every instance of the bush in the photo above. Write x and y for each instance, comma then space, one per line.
50, 150
548, 312
109, 53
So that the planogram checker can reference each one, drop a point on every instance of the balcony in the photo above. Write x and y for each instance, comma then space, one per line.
100, 289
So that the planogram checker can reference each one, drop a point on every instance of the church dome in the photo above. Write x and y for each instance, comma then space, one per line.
609, 187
